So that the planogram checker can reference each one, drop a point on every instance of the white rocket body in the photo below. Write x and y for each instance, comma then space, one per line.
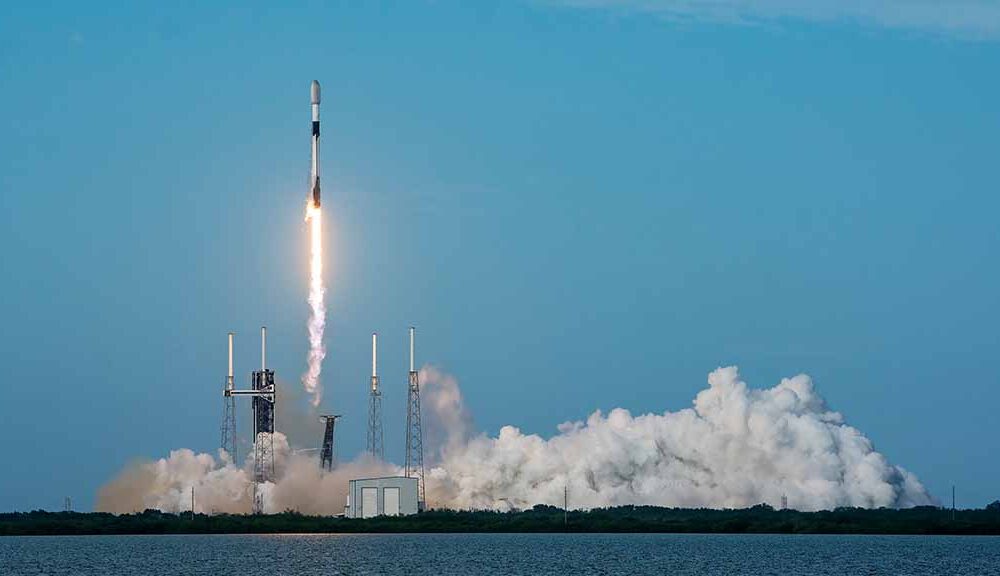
314, 172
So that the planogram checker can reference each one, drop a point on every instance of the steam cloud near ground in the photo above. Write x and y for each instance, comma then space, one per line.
222, 487
735, 447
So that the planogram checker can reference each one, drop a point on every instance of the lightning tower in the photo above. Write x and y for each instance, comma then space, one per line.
327, 455
229, 410
414, 435
375, 446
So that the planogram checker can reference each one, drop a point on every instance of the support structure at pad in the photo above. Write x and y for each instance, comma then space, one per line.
328, 454
263, 398
228, 440
414, 435
376, 447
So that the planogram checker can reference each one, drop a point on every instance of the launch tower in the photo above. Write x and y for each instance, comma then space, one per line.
262, 394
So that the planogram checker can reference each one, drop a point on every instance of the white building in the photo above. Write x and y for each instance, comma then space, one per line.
387, 496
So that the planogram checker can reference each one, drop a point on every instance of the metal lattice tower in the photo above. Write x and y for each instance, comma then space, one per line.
414, 435
376, 447
328, 454
263, 433
263, 396
228, 442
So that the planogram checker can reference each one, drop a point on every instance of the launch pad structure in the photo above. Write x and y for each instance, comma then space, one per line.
263, 396
414, 435
328, 453
228, 441
392, 495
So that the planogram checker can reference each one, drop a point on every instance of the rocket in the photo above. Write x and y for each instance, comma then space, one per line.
314, 173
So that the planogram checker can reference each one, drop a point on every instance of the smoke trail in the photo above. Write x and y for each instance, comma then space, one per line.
736, 448
317, 315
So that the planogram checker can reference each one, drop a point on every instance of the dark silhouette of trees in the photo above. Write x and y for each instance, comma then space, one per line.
758, 519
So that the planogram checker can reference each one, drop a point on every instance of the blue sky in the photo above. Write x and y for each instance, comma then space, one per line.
580, 205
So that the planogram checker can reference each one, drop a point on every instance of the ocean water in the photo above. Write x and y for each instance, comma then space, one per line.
529, 554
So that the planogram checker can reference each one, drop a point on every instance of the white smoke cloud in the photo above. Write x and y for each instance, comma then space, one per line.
447, 423
736, 448
222, 487
166, 484
963, 18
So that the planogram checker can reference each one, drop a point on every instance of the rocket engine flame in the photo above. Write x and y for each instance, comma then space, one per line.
317, 315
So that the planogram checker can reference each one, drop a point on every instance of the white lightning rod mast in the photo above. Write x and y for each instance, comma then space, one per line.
229, 377
374, 357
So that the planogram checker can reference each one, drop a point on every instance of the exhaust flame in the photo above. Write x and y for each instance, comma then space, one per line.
317, 316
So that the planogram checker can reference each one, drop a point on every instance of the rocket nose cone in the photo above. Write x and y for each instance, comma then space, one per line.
314, 91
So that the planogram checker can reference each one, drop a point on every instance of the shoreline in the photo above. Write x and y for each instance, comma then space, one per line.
760, 519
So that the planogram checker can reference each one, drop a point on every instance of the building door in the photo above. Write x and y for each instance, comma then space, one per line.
369, 502
390, 501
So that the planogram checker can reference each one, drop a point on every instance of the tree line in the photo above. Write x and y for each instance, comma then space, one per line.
757, 519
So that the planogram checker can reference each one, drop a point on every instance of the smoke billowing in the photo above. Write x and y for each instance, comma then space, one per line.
735, 447
220, 486
447, 423
166, 484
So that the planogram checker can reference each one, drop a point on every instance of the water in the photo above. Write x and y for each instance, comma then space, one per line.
530, 554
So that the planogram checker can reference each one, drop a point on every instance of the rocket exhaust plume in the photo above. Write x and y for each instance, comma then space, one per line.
317, 312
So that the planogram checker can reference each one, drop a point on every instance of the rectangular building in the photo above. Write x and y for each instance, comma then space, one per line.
386, 496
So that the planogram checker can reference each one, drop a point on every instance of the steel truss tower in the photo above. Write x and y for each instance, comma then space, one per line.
228, 442
263, 433
375, 445
414, 436
328, 454
263, 397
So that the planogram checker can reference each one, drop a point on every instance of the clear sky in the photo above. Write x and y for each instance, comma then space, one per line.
580, 205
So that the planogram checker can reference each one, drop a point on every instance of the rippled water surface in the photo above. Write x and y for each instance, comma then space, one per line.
535, 554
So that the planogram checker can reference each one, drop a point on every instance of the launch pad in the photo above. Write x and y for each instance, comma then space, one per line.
263, 393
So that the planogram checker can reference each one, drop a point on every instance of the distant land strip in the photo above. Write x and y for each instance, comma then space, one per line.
760, 519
